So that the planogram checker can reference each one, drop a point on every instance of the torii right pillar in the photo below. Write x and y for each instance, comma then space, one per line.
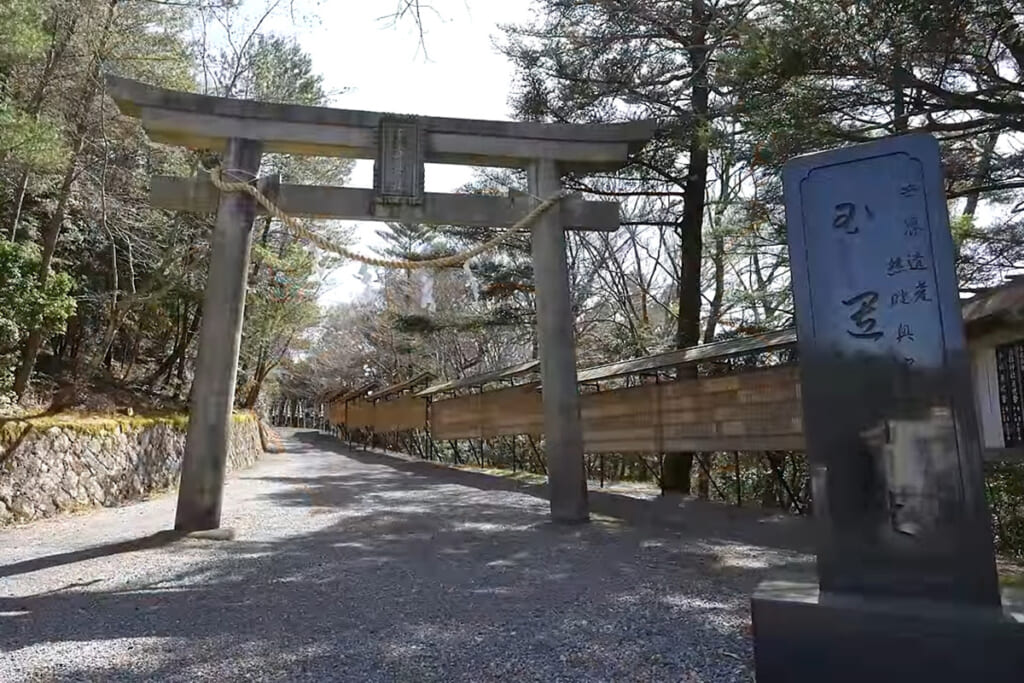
906, 585
563, 432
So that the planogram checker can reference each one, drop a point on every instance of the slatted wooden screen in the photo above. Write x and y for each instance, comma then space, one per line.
757, 410
623, 420
360, 414
516, 410
401, 414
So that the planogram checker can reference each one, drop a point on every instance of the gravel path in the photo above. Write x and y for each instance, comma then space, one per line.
354, 566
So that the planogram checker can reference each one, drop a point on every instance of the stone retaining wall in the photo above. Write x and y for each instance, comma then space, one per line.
48, 469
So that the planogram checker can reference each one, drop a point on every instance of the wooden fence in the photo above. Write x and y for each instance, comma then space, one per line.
400, 414
516, 410
757, 410
359, 414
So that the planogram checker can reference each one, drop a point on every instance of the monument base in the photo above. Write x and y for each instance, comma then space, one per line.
803, 636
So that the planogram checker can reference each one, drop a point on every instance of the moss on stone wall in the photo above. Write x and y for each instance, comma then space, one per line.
91, 424
59, 463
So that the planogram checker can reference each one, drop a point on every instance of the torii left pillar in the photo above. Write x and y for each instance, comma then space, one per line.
201, 490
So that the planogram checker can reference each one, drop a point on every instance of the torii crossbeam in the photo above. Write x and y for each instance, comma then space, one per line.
400, 146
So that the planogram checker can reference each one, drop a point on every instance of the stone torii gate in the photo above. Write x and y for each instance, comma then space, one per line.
400, 146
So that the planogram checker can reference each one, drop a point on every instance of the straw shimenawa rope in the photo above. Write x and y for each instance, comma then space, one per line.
299, 230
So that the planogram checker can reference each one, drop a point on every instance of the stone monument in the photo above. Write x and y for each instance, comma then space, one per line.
906, 580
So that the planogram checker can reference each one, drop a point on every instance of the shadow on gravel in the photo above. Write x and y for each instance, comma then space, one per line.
703, 518
157, 540
408, 571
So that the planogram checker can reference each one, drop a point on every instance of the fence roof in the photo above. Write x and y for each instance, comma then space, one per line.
770, 341
419, 379
483, 378
357, 392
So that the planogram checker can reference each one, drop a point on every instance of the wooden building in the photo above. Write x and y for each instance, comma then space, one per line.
994, 322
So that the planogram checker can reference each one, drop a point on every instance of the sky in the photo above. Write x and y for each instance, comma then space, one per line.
382, 67
375, 65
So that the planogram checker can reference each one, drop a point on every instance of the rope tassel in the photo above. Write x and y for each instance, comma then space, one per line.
300, 231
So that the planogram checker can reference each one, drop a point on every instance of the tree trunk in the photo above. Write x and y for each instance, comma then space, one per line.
678, 465
703, 481
54, 55
718, 259
264, 235
186, 343
988, 148
259, 374
771, 497
715, 310
134, 356
187, 330
676, 472
67, 338
50, 234
52, 230
254, 392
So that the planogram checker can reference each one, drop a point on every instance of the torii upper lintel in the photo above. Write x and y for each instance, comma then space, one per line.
203, 121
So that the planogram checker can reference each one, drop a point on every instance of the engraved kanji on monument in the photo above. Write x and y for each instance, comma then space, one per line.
889, 420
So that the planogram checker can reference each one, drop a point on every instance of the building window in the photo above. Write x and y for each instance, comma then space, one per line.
1010, 368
